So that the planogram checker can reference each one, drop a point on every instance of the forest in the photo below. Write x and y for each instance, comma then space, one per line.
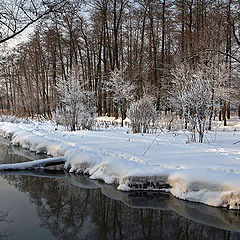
135, 58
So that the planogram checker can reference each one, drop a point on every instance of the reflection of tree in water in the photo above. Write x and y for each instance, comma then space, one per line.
60, 207
11, 154
4, 225
70, 212
117, 221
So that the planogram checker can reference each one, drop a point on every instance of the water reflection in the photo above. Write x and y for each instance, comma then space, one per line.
11, 154
216, 217
75, 207
5, 223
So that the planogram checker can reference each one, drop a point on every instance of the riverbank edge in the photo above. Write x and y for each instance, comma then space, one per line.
151, 180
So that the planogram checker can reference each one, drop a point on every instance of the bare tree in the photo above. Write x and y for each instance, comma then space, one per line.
18, 15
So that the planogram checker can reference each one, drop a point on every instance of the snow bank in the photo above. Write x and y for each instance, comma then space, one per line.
31, 141
214, 188
127, 175
206, 173
79, 161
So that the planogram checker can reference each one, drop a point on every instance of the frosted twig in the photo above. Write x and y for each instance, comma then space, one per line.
151, 144
236, 142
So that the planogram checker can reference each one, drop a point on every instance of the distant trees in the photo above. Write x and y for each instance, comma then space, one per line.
148, 39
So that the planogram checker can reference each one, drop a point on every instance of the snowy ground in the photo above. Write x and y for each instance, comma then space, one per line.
208, 173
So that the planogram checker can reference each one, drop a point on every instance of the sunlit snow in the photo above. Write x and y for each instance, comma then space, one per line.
208, 173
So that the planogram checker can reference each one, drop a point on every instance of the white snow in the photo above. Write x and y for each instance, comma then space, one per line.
208, 173
32, 164
214, 188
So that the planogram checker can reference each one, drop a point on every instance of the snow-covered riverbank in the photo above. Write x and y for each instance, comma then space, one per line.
208, 173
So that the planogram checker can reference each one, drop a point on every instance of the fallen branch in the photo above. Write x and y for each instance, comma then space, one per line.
236, 142
33, 164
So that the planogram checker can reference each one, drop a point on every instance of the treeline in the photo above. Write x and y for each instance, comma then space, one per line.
146, 39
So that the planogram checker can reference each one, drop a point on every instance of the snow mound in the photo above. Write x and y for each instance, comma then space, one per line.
214, 188
79, 161
31, 141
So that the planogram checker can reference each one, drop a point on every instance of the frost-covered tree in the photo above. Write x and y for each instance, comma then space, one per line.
197, 93
78, 107
143, 114
221, 89
121, 91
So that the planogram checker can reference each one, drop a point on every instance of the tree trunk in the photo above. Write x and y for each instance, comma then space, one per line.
220, 115
228, 111
224, 113
211, 111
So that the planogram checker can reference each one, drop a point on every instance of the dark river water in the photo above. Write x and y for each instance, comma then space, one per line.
57, 205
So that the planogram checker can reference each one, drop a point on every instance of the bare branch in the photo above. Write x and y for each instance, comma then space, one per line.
17, 26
